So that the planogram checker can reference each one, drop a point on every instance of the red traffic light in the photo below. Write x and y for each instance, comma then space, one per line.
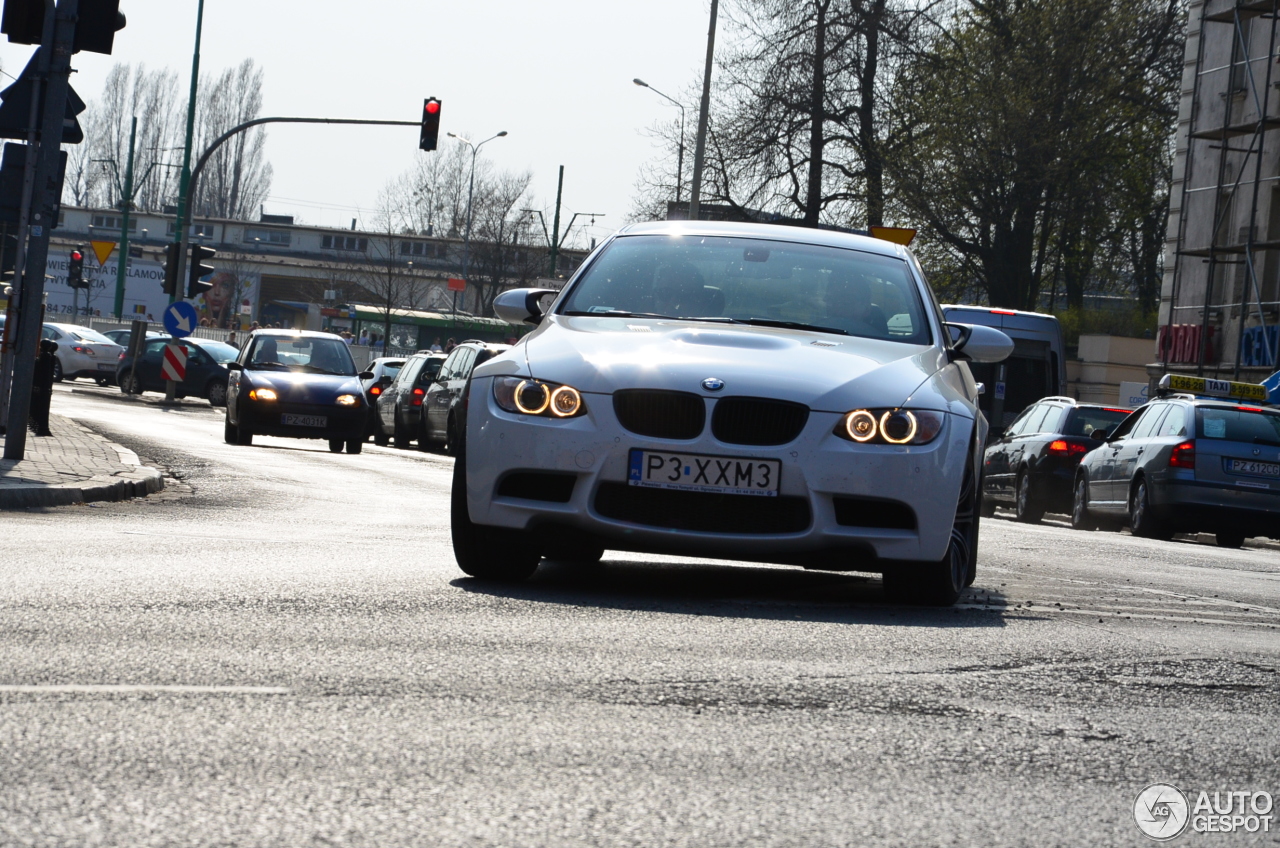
432, 107
76, 256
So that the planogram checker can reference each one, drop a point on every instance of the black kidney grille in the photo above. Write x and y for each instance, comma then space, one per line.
660, 414
757, 421
705, 512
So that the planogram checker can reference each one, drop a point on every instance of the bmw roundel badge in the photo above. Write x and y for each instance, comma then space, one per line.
713, 384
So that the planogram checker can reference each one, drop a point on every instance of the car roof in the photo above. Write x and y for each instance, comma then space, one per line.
292, 334
776, 232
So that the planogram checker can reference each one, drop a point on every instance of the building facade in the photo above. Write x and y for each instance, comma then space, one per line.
1220, 298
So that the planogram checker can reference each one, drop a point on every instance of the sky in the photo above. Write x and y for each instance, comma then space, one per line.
556, 75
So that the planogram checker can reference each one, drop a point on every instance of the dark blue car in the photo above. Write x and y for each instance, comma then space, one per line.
206, 369
301, 385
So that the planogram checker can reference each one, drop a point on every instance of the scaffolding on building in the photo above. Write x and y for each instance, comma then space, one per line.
1242, 249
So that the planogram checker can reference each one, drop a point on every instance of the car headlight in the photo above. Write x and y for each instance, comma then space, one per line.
890, 426
347, 400
262, 394
538, 397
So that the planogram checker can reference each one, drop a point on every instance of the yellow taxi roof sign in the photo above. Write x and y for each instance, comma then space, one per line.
897, 235
1228, 389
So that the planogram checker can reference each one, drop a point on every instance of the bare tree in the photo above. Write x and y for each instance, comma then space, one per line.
238, 177
501, 235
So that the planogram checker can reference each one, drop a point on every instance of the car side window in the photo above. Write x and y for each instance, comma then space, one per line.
1125, 427
1174, 424
1149, 422
48, 333
464, 364
1019, 424
1053, 420
1036, 420
154, 347
450, 364
407, 372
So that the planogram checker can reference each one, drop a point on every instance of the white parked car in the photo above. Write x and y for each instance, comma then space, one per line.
750, 392
82, 352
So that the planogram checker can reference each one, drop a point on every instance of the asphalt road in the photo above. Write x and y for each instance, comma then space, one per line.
279, 650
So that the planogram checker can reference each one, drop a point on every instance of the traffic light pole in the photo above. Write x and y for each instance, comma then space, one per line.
43, 201
186, 187
127, 199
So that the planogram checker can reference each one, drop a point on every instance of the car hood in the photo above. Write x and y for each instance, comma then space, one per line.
305, 388
823, 371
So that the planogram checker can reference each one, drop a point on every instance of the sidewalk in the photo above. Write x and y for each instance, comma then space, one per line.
73, 466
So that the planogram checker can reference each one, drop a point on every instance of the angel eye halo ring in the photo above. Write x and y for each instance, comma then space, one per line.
895, 426
529, 396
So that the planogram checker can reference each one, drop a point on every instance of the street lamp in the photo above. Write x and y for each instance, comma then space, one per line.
466, 237
680, 153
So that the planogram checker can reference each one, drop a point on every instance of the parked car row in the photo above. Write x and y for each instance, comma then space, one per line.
1203, 456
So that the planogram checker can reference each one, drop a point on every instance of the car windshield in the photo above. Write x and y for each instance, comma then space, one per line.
221, 353
1238, 425
90, 336
307, 354
1084, 420
391, 369
721, 279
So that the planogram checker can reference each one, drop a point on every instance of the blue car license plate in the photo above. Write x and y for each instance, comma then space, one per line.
691, 472
304, 420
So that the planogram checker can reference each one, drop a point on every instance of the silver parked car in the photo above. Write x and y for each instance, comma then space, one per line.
1187, 463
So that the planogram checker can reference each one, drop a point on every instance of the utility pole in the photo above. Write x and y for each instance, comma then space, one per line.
555, 227
184, 186
695, 196
55, 67
127, 201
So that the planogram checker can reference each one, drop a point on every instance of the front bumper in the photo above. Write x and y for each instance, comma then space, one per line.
838, 501
266, 418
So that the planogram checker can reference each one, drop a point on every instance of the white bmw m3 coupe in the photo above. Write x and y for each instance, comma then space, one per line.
737, 391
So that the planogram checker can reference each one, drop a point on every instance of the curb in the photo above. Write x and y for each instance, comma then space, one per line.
135, 480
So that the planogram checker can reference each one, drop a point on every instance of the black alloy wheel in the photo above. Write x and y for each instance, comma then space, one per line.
1080, 517
1026, 505
941, 583
398, 433
487, 553
1229, 540
1142, 518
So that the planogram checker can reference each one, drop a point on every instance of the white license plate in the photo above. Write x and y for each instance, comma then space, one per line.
304, 420
700, 473
1248, 466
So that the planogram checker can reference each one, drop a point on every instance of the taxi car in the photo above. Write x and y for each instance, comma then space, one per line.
742, 391
1203, 456
297, 384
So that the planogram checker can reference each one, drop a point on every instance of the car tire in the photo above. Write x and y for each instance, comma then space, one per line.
398, 434
1229, 540
336, 445
1080, 517
216, 392
1026, 505
229, 434
988, 506
424, 442
380, 438
129, 383
942, 583
1142, 518
237, 435
487, 553
102, 381
451, 438
58, 376
355, 445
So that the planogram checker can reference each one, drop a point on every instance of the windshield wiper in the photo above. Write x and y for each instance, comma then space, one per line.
267, 365
1263, 440
785, 325
618, 313
316, 369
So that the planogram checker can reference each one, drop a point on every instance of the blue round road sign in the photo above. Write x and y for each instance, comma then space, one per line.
180, 319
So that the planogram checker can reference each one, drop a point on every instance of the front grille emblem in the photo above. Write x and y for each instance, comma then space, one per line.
713, 384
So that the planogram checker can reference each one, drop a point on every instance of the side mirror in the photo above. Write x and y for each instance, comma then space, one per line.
366, 375
234, 366
978, 343
520, 306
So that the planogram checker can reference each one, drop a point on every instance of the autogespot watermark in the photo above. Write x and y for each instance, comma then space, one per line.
1164, 812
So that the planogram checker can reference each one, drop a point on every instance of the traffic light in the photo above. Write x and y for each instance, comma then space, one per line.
197, 269
99, 20
172, 252
430, 124
75, 268
23, 21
